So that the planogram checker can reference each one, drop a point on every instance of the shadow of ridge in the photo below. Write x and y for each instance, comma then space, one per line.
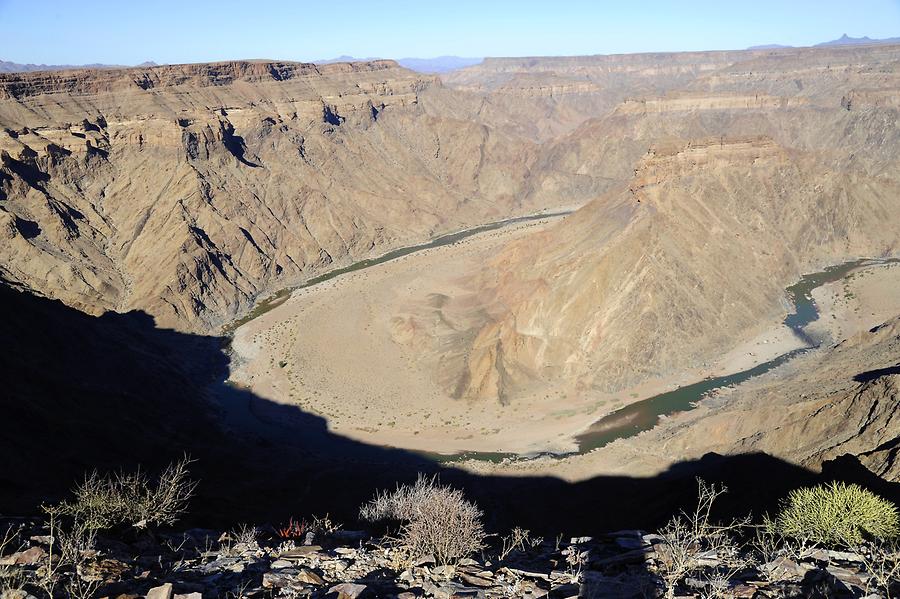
871, 375
115, 391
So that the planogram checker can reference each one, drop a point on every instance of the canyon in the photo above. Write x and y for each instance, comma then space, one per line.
672, 198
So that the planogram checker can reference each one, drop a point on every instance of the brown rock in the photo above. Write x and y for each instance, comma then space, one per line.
310, 577
28, 557
742, 590
164, 591
346, 591
783, 568
475, 580
301, 551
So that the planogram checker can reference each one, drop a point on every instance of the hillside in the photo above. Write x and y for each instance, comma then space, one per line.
664, 272
659, 277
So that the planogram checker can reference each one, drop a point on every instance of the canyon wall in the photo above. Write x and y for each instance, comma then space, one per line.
189, 191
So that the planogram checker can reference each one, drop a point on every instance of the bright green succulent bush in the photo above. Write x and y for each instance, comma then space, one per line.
837, 514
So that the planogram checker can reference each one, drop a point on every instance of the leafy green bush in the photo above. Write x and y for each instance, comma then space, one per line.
837, 514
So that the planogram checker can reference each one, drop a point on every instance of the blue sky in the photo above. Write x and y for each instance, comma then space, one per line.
129, 32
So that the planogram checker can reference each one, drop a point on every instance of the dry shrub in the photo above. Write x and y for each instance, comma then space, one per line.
68, 546
518, 539
837, 514
10, 539
882, 562
693, 542
103, 502
241, 539
324, 524
437, 520
12, 580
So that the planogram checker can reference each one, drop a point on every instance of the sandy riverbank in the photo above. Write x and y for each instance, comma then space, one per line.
867, 297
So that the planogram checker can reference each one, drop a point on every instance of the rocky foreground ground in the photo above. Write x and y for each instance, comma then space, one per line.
345, 564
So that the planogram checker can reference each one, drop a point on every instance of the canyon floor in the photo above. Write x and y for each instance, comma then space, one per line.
332, 349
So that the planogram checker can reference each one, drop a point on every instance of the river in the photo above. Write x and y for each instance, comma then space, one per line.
645, 414
280, 297
641, 415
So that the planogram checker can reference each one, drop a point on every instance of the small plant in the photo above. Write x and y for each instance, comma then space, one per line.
244, 534
10, 539
66, 555
74, 541
239, 540
518, 539
575, 559
324, 525
12, 580
768, 544
79, 588
692, 538
294, 530
882, 562
837, 514
437, 520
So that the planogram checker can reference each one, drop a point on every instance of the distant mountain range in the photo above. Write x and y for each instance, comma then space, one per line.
15, 67
769, 47
844, 40
438, 64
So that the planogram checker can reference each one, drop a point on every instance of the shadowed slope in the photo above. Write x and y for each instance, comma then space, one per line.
110, 391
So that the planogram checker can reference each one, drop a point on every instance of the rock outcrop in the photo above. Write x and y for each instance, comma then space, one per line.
656, 278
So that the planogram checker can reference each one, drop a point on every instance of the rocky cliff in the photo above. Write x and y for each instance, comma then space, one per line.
188, 191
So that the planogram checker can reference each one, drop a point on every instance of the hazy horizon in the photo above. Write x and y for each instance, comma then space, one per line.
168, 32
